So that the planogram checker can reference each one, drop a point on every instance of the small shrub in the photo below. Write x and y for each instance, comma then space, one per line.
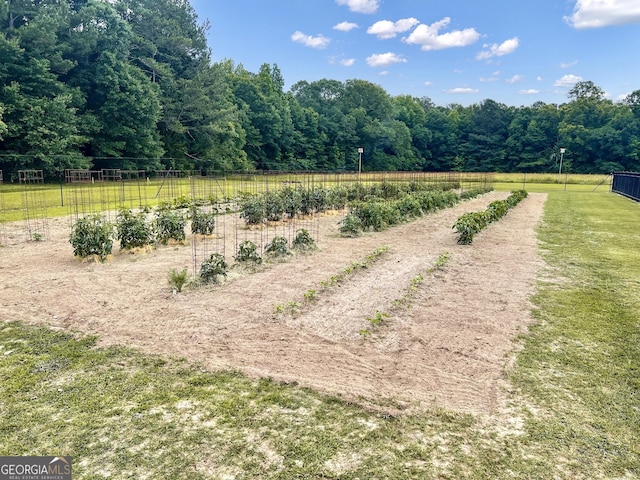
277, 247
351, 226
306, 201
213, 268
371, 214
177, 279
274, 207
182, 202
91, 235
291, 201
247, 253
169, 225
303, 240
202, 223
253, 210
132, 230
496, 210
320, 198
468, 225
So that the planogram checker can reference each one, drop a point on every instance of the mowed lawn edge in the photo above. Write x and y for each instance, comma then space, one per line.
573, 411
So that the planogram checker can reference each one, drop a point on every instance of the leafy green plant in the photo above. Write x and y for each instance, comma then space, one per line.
378, 318
182, 201
177, 279
277, 247
92, 235
252, 210
213, 268
468, 225
202, 223
291, 200
37, 237
364, 332
471, 223
293, 307
169, 225
351, 226
248, 253
132, 230
443, 259
303, 240
496, 210
310, 295
273, 207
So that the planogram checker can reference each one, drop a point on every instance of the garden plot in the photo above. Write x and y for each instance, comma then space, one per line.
447, 346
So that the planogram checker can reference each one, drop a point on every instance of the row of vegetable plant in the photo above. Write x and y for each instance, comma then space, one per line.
213, 269
378, 215
289, 202
325, 285
470, 224
93, 235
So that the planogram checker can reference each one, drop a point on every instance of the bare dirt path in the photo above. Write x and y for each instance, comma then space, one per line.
447, 347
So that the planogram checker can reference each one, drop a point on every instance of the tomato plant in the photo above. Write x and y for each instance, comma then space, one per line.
92, 235
248, 253
277, 247
169, 225
213, 268
132, 230
202, 223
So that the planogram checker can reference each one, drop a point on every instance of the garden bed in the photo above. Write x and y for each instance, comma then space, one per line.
448, 346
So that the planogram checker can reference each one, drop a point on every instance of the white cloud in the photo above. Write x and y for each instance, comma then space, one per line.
489, 79
361, 6
385, 29
345, 26
347, 62
428, 84
569, 65
495, 50
462, 90
567, 81
603, 13
531, 91
320, 42
385, 59
515, 79
383, 73
539, 78
427, 36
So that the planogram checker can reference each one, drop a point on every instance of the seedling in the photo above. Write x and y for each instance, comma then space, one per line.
378, 318
177, 279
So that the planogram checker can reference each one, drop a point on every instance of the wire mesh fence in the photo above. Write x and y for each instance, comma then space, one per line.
290, 202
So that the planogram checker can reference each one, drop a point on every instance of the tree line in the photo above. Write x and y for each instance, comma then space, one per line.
129, 84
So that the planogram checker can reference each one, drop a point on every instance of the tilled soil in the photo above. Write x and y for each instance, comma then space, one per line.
444, 342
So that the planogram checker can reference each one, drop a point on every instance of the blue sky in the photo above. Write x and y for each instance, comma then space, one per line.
515, 52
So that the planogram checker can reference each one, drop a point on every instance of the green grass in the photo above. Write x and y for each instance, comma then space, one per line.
581, 365
574, 411
553, 178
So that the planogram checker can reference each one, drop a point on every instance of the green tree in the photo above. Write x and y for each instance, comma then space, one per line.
42, 128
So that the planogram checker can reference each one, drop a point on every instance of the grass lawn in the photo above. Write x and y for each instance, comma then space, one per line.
574, 411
